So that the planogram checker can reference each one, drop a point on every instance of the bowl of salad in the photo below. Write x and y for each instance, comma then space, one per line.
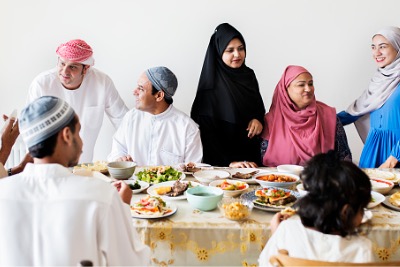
231, 188
159, 174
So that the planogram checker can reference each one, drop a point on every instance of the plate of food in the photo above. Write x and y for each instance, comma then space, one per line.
383, 174
159, 174
150, 207
137, 186
191, 167
99, 166
272, 198
171, 190
393, 201
245, 174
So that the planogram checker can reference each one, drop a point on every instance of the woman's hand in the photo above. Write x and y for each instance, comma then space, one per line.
254, 128
389, 163
243, 164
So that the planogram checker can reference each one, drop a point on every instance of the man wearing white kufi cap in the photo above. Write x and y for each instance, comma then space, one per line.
155, 132
52, 217
89, 91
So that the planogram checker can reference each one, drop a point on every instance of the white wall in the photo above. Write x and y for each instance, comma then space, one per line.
330, 38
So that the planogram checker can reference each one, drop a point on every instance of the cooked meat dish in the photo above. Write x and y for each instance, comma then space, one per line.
178, 188
240, 175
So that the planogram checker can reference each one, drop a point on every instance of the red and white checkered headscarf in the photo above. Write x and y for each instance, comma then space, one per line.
76, 50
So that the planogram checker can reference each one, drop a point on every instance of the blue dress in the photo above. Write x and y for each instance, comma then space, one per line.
383, 138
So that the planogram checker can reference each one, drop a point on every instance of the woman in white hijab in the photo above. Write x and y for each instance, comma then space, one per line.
376, 112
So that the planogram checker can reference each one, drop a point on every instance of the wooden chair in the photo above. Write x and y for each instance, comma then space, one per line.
283, 259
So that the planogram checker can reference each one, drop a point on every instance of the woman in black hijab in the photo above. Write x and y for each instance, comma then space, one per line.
228, 106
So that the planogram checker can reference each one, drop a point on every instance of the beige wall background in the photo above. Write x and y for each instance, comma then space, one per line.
330, 38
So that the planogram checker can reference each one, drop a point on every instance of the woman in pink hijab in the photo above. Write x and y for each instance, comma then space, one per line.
298, 126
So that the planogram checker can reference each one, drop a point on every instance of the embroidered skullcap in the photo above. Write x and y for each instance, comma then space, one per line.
43, 118
76, 50
163, 79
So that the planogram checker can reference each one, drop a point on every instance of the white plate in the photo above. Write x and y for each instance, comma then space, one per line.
383, 174
387, 203
367, 216
143, 185
197, 164
172, 207
250, 196
378, 199
246, 170
151, 191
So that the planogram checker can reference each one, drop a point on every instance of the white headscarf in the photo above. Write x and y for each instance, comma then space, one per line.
381, 87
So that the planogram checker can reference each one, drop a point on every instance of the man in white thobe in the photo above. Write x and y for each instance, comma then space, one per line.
51, 217
90, 92
155, 132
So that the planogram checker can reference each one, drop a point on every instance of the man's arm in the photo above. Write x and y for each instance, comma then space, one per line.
194, 147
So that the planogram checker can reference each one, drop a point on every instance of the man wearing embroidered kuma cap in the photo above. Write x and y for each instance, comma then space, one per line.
50, 216
89, 91
155, 132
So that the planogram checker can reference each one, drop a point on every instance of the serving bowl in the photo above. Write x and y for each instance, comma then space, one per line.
290, 168
381, 186
376, 199
207, 176
204, 198
277, 179
143, 185
301, 190
121, 170
235, 209
231, 188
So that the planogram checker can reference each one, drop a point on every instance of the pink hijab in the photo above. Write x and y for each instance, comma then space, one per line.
295, 135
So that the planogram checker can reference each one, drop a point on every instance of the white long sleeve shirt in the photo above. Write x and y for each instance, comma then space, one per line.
96, 95
51, 217
168, 138
306, 243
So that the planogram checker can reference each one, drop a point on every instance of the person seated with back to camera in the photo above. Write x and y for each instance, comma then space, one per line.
298, 126
155, 132
61, 217
330, 214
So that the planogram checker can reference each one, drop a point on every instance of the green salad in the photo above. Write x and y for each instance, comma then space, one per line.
159, 174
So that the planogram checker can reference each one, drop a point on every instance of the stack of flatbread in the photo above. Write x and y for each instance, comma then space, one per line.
395, 199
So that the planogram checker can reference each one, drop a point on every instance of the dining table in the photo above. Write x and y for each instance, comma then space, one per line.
191, 237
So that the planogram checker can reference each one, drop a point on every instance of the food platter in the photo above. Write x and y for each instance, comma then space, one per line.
389, 205
172, 209
250, 196
152, 192
182, 167
251, 180
383, 174
100, 166
152, 176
